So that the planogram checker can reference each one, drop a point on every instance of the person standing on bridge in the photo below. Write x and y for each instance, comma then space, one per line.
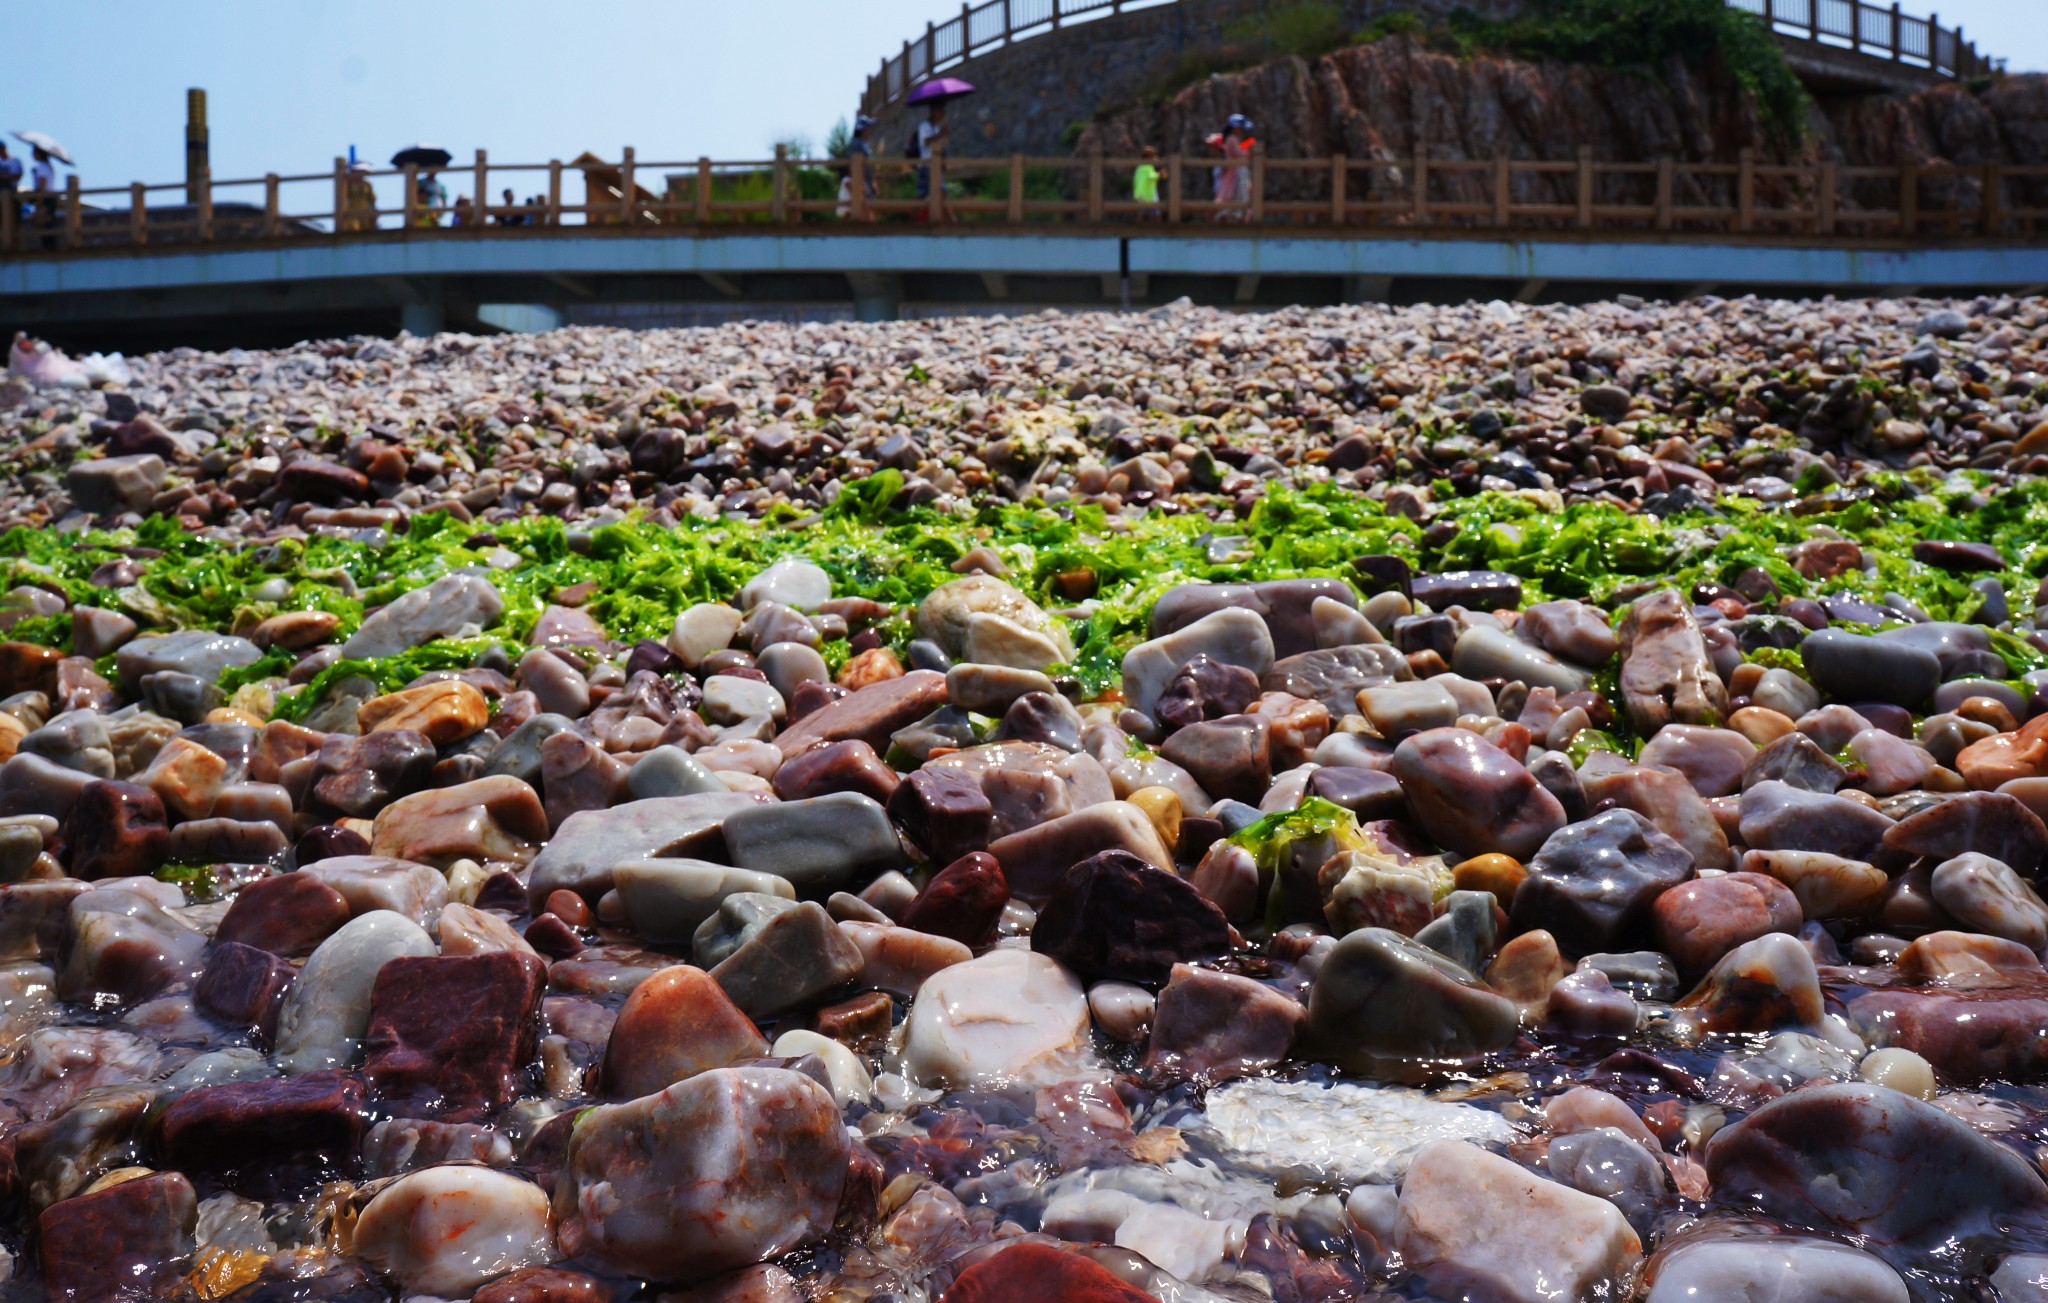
927, 144
10, 177
431, 197
1234, 177
1145, 184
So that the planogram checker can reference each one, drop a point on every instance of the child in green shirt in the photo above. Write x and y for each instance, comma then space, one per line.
1145, 182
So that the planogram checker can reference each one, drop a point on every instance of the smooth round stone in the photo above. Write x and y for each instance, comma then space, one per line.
1853, 667
1585, 1003
666, 900
1397, 710
1712, 759
850, 1080
1785, 692
1787, 1157
1381, 996
327, 1010
1594, 883
792, 581
1475, 1225
1575, 631
1987, 896
556, 687
447, 1230
1612, 1164
1754, 1268
788, 664
670, 771
1891, 764
1901, 1070
1826, 886
1955, 692
1473, 797
1489, 653
2022, 1278
728, 1168
1122, 1011
701, 630
1011, 1016
1762, 985
1761, 725
1698, 922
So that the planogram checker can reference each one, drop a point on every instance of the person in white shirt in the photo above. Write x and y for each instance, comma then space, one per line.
930, 142
43, 181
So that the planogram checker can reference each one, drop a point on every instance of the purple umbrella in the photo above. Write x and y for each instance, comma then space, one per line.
938, 90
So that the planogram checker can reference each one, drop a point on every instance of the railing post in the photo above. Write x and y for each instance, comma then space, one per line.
857, 180
1824, 200
1340, 175
1585, 187
138, 213
1856, 25
1813, 20
778, 203
1745, 190
1421, 197
1258, 217
703, 213
412, 200
483, 190
1056, 15
1173, 192
1664, 179
1994, 181
1500, 190
1009, 27
966, 29
626, 196
1095, 195
1934, 41
931, 48
205, 203
340, 193
1909, 199
74, 219
1016, 213
1896, 51
270, 215
554, 213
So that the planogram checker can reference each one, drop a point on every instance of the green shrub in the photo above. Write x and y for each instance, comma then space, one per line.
1648, 34
1643, 34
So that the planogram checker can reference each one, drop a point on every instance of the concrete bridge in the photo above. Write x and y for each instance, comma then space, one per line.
531, 280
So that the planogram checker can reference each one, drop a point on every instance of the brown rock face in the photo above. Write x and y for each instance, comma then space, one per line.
1380, 101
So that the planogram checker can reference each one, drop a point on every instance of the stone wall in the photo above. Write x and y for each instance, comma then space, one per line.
1031, 93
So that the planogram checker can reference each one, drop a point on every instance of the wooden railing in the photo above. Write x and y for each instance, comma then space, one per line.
1415, 195
1885, 33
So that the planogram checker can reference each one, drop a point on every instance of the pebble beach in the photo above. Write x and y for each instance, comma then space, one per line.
1486, 802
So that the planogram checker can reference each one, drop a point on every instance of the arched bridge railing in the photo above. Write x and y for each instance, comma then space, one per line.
1883, 32
1418, 195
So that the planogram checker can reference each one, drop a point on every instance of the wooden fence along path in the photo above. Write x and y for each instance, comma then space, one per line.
1417, 195
1881, 32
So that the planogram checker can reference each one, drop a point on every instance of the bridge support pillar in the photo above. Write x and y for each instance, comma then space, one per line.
877, 296
425, 316
1367, 289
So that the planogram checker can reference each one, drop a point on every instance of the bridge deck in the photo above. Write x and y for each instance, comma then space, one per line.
532, 279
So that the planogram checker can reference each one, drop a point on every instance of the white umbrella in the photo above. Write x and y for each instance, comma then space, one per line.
40, 141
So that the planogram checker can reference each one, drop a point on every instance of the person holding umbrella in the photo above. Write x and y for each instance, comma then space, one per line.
929, 141
430, 197
43, 174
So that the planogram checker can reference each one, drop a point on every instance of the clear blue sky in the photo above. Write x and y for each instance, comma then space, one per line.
295, 82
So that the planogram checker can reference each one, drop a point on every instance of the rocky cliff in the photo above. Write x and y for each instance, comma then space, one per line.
1381, 100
